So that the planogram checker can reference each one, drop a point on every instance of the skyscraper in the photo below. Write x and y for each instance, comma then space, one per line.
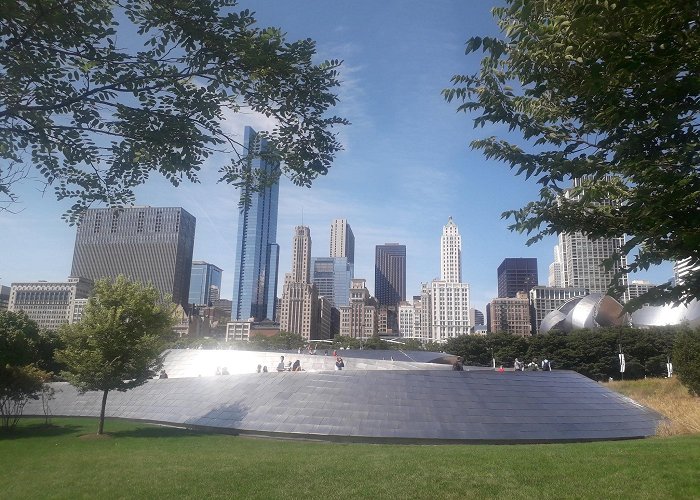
299, 307
332, 276
146, 244
204, 276
451, 253
449, 298
516, 275
257, 253
342, 241
582, 259
390, 274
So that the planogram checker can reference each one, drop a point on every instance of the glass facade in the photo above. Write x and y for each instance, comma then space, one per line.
204, 276
332, 276
257, 252
390, 274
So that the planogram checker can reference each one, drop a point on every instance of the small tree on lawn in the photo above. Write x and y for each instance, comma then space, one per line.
20, 379
117, 343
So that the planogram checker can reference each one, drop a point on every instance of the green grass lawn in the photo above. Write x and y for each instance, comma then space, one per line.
142, 461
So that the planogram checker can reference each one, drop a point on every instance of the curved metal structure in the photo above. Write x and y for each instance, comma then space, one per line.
599, 310
377, 405
591, 311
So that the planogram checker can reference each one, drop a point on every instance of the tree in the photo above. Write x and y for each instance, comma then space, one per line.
100, 95
20, 378
118, 342
686, 359
604, 92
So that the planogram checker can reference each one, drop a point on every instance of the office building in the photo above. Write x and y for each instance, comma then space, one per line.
390, 274
205, 283
476, 317
449, 297
257, 251
451, 253
516, 275
299, 306
151, 245
545, 299
51, 304
637, 288
342, 243
359, 319
511, 315
4, 297
332, 276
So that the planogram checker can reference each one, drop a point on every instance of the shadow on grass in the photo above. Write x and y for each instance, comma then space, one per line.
157, 431
39, 430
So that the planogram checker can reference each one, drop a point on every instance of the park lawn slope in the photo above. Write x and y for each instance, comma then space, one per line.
668, 397
137, 460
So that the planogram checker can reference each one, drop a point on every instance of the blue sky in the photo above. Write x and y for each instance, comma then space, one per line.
405, 169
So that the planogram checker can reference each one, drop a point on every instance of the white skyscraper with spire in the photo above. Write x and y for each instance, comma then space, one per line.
449, 297
451, 253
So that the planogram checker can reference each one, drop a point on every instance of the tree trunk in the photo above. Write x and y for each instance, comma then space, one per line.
102, 413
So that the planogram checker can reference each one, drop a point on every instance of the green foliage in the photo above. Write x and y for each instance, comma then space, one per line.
605, 92
97, 116
282, 341
20, 378
346, 342
593, 353
18, 384
686, 359
117, 343
19, 337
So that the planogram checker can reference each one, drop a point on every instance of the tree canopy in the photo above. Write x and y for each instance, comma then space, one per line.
97, 96
20, 378
606, 92
118, 341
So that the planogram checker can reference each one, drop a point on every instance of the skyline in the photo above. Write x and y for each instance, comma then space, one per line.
405, 169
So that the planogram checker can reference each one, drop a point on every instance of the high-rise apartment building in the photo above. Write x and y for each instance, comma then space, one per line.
516, 275
146, 244
684, 269
511, 315
545, 299
50, 304
342, 241
582, 260
637, 288
299, 307
257, 251
205, 283
390, 274
555, 278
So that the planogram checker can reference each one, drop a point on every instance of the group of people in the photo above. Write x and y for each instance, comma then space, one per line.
533, 365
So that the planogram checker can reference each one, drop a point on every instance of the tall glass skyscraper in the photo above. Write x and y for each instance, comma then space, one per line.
390, 274
257, 251
204, 276
332, 276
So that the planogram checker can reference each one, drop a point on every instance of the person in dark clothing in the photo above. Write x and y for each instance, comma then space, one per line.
163, 374
296, 367
458, 366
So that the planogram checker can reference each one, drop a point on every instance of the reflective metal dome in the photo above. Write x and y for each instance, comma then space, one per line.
592, 311
599, 310
667, 315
